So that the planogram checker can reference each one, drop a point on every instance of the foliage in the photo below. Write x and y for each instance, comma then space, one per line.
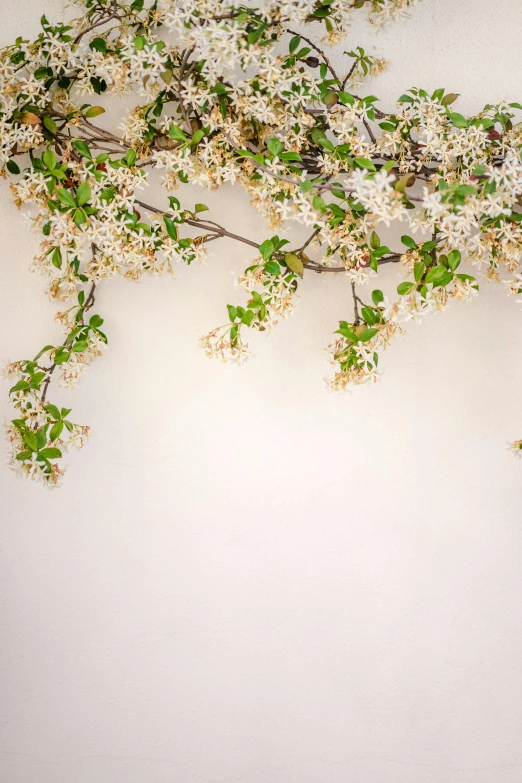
231, 93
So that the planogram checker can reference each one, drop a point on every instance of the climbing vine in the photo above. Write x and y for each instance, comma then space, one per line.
244, 94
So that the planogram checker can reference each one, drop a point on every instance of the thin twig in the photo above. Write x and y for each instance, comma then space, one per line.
218, 231
88, 304
356, 317
104, 20
349, 75
310, 239
318, 50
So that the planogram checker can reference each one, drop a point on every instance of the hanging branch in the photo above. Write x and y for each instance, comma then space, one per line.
278, 125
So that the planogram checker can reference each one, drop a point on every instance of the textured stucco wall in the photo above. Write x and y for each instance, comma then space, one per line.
245, 577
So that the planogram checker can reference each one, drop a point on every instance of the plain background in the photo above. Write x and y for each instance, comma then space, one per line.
246, 578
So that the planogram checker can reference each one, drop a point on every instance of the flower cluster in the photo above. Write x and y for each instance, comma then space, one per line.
355, 352
42, 430
230, 93
271, 284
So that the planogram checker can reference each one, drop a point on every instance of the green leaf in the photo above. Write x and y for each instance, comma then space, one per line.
458, 120
198, 135
375, 242
50, 124
167, 75
56, 258
94, 111
330, 98
232, 312
12, 167
200, 208
53, 410
80, 218
266, 249
387, 126
346, 98
288, 156
479, 170
377, 296
409, 242
49, 158
171, 227
176, 134
98, 45
369, 316
65, 197
82, 148
437, 274
36, 380
83, 193
50, 453
367, 334
31, 441
272, 268
56, 430
130, 157
61, 356
445, 279
318, 203
43, 73
418, 270
337, 211
274, 146
364, 163
45, 349
294, 263
19, 386
347, 333
404, 182
79, 346
450, 98
294, 43
454, 259
405, 288
257, 299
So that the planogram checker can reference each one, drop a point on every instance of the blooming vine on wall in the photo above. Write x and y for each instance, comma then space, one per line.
231, 92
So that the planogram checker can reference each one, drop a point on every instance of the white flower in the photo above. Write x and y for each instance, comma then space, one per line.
376, 194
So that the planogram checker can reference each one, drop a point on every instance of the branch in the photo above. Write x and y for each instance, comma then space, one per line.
113, 15
318, 50
356, 300
220, 232
349, 75
180, 82
88, 304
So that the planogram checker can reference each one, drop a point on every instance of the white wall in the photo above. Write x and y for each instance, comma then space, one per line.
249, 579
